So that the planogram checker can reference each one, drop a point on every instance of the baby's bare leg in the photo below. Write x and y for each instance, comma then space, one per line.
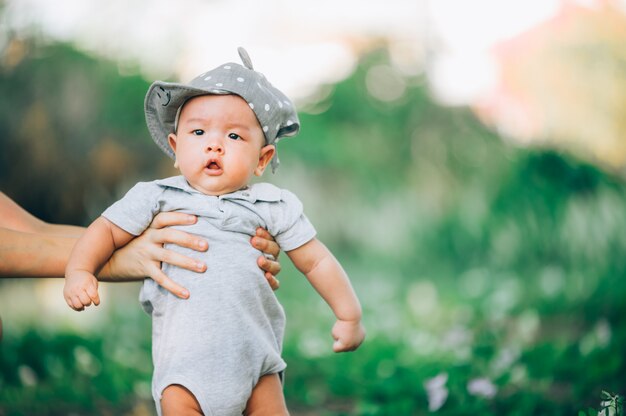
267, 398
177, 400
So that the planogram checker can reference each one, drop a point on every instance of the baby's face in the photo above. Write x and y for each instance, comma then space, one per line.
219, 144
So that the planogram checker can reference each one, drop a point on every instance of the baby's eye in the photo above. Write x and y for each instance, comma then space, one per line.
198, 132
234, 136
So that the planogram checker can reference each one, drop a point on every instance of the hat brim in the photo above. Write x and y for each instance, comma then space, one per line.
162, 103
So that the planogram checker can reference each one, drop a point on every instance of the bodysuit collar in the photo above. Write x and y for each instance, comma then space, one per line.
262, 191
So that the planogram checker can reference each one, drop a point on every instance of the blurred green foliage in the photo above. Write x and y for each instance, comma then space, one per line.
483, 263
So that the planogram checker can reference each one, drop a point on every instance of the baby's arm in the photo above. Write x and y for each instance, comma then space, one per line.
90, 253
327, 276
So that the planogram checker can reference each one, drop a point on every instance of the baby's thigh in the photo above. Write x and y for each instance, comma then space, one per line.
267, 398
177, 400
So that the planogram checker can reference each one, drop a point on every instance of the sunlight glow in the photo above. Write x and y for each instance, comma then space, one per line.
299, 45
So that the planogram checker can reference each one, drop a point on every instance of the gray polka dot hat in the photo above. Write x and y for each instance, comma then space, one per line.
276, 114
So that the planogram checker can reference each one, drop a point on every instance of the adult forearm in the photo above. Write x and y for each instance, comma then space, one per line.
33, 255
60, 230
41, 255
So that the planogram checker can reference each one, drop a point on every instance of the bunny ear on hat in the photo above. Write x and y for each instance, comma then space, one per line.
275, 113
245, 58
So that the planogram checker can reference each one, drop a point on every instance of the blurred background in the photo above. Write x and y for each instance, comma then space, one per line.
465, 161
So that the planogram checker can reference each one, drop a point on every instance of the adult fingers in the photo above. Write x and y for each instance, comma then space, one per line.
270, 266
179, 238
168, 284
176, 259
272, 280
265, 242
166, 219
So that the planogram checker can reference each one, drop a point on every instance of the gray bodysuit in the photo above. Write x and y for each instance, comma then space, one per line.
229, 332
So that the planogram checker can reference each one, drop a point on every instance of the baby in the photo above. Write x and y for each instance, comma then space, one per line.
211, 350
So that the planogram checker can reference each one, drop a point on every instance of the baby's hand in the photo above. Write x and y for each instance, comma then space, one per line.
348, 335
81, 290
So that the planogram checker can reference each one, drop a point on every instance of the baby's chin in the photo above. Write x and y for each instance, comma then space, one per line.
216, 189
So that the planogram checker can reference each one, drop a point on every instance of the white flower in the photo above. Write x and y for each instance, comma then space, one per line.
437, 391
482, 387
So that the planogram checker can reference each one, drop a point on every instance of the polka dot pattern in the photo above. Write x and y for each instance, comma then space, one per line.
275, 113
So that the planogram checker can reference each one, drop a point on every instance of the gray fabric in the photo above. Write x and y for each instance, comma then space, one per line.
229, 332
276, 114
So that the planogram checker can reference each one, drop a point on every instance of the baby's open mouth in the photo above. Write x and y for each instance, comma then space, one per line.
214, 163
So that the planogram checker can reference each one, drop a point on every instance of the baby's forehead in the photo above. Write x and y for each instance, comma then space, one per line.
218, 99
220, 104
225, 108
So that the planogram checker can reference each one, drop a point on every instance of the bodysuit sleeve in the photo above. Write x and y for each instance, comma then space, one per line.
135, 211
289, 226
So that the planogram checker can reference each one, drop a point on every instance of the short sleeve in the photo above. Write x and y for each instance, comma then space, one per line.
136, 210
289, 226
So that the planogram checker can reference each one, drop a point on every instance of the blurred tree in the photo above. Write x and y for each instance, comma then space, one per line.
562, 84
478, 261
70, 124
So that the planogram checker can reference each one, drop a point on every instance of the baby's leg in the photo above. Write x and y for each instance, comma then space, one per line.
177, 400
267, 398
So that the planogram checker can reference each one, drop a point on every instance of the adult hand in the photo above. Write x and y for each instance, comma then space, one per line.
269, 262
143, 255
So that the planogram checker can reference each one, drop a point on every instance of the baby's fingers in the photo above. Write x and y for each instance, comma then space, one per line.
84, 298
338, 346
92, 292
75, 303
344, 346
348, 336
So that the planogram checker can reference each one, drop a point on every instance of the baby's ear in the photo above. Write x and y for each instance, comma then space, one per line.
171, 139
267, 153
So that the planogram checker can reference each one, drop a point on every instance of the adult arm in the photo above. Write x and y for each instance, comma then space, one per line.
14, 217
44, 254
30, 247
24, 254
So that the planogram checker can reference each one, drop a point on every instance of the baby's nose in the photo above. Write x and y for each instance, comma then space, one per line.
215, 147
